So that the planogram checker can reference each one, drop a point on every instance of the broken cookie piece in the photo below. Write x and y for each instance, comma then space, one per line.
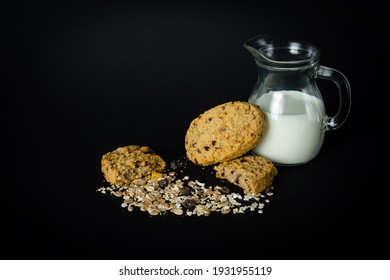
251, 173
128, 163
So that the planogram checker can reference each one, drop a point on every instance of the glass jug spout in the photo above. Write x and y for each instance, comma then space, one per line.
258, 44
272, 51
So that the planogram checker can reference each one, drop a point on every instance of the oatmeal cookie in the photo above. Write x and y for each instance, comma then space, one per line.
252, 173
224, 132
128, 163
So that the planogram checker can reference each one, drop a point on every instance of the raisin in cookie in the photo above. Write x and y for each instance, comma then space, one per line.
128, 163
252, 173
224, 132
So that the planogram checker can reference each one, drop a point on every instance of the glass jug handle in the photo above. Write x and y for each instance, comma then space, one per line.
344, 96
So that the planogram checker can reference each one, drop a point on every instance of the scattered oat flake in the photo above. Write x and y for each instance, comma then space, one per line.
182, 196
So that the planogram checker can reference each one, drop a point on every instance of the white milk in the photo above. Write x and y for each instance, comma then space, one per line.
295, 122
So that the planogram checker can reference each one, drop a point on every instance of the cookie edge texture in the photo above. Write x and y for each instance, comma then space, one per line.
241, 149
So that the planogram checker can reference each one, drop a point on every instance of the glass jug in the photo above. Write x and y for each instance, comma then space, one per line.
287, 92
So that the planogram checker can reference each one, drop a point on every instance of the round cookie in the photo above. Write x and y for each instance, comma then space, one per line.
128, 163
224, 132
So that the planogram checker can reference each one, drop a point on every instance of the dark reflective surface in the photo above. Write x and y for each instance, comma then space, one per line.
86, 79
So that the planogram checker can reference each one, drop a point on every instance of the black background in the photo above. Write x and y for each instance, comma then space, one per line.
85, 78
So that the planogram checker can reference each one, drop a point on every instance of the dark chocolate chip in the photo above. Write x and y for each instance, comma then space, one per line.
238, 179
173, 165
190, 203
185, 191
163, 183
225, 190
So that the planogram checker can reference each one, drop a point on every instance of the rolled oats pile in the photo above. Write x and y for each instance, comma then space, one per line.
184, 196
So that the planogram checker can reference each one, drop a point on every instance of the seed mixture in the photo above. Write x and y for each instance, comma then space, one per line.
185, 196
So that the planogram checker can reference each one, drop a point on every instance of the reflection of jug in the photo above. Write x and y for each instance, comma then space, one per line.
287, 93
